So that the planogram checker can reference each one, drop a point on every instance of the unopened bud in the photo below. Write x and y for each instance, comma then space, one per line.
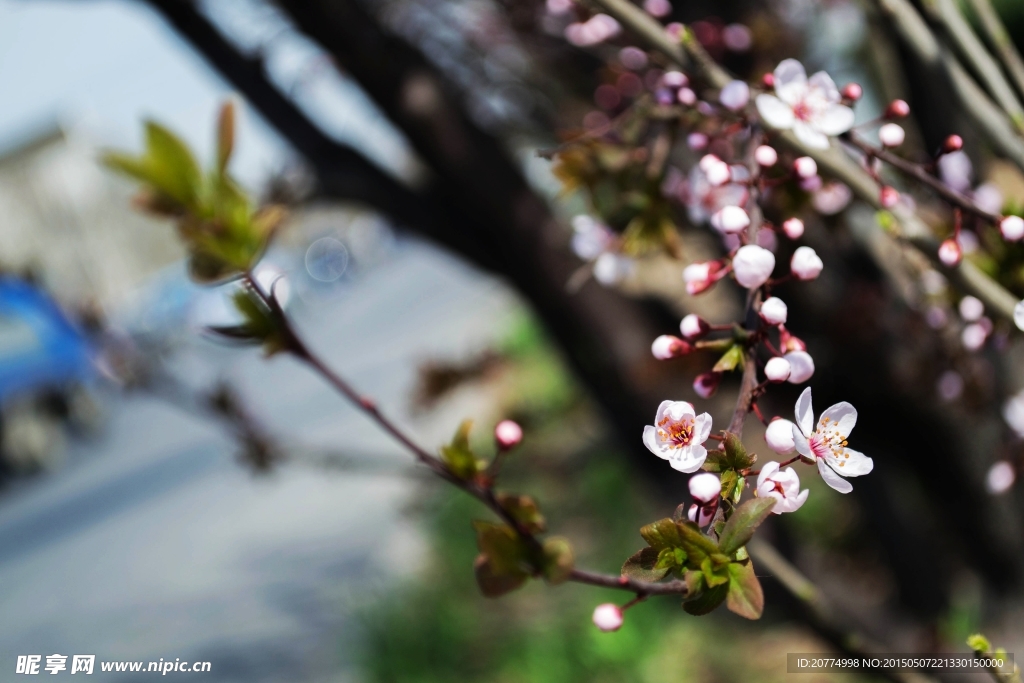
753, 265
768, 79
777, 369
891, 135
774, 311
730, 220
779, 436
1012, 228
734, 95
950, 252
766, 156
608, 617
805, 264
508, 434
790, 342
666, 346
801, 366
805, 167
793, 228
888, 196
897, 109
853, 91
954, 143
705, 487
686, 96
675, 79
699, 276
706, 385
693, 327
697, 141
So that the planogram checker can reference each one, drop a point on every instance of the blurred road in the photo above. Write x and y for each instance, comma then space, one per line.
153, 542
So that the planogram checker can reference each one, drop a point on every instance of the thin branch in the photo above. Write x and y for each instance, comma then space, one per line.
996, 33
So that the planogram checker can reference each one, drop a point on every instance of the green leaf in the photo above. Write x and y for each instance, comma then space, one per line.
493, 584
730, 360
174, 170
729, 478
642, 565
745, 595
979, 643
696, 544
670, 558
558, 560
708, 600
714, 575
736, 455
662, 534
225, 135
738, 489
503, 548
743, 522
524, 510
457, 455
715, 462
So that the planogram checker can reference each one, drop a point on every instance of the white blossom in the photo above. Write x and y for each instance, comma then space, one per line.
666, 346
774, 311
766, 156
801, 366
678, 434
705, 487
779, 436
734, 95
508, 434
950, 252
594, 30
971, 308
809, 106
793, 227
608, 617
753, 265
777, 369
692, 326
805, 167
783, 486
826, 443
703, 198
1012, 228
973, 336
891, 135
806, 264
730, 219
1000, 477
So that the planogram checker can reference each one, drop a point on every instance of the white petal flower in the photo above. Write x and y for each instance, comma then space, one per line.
692, 326
730, 219
703, 198
801, 366
891, 135
806, 264
734, 95
774, 311
678, 434
1012, 228
810, 107
971, 308
705, 487
779, 436
753, 265
783, 486
777, 369
793, 227
827, 443
766, 156
805, 167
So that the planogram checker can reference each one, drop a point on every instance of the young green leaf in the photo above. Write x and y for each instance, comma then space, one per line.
736, 455
979, 643
662, 534
745, 595
494, 584
524, 510
730, 360
173, 169
697, 545
708, 600
558, 560
503, 548
642, 565
714, 575
744, 521
457, 455
225, 135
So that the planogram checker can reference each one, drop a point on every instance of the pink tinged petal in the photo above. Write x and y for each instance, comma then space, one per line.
835, 120
702, 427
825, 86
801, 366
793, 504
833, 479
768, 470
856, 465
688, 459
677, 410
842, 415
804, 413
651, 441
810, 136
790, 81
775, 112
662, 409
803, 447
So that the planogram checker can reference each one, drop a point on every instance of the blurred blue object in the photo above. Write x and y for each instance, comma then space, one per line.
39, 348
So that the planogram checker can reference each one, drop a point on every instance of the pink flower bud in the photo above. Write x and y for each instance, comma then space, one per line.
777, 369
697, 141
768, 79
891, 135
707, 384
774, 311
793, 227
705, 487
686, 96
790, 342
779, 436
706, 512
608, 617
1000, 477
666, 346
508, 434
801, 366
753, 265
730, 219
805, 167
950, 252
897, 109
658, 8
954, 143
766, 156
633, 58
699, 276
735, 95
693, 327
675, 79
888, 196
1012, 228
971, 309
805, 264
852, 91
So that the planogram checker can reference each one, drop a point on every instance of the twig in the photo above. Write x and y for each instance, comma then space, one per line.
1000, 39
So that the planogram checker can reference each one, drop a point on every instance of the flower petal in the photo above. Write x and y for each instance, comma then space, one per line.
822, 82
768, 470
775, 112
801, 444
834, 120
833, 479
688, 459
651, 441
798, 502
842, 415
677, 410
702, 427
662, 409
810, 136
856, 465
805, 413
790, 81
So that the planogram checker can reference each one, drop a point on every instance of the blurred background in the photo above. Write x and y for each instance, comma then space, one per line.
164, 495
